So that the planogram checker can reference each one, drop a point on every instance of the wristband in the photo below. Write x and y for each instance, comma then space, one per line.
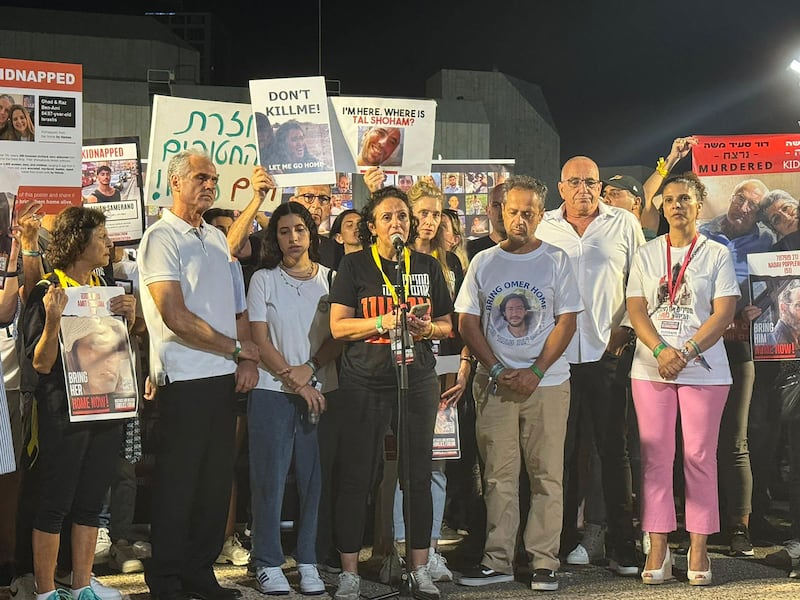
11, 274
495, 371
429, 335
695, 346
313, 366
31, 253
659, 349
237, 349
661, 168
379, 325
537, 371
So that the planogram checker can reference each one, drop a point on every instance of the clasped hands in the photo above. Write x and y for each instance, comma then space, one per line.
298, 379
521, 381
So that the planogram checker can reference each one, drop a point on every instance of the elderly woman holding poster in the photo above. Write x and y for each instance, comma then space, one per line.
682, 294
76, 461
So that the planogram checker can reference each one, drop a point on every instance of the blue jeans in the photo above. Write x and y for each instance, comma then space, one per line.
278, 424
438, 495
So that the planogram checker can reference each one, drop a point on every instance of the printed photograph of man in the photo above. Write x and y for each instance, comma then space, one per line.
104, 192
479, 226
516, 313
380, 146
787, 329
453, 186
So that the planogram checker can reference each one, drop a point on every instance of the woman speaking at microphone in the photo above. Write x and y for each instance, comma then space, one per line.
365, 312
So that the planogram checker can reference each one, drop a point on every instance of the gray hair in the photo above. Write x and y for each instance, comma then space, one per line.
525, 182
180, 163
786, 293
771, 199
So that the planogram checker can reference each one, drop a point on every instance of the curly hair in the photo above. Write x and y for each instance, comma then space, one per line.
422, 189
368, 214
690, 179
72, 234
271, 254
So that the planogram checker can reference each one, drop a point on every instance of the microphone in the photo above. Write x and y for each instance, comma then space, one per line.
398, 243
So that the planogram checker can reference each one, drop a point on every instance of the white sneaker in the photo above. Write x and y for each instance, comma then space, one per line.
103, 591
23, 587
272, 581
349, 586
102, 546
579, 556
437, 566
233, 552
311, 583
422, 584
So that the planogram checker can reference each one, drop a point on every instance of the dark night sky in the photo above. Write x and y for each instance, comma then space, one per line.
622, 77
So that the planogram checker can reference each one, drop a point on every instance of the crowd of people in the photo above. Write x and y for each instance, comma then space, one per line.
574, 341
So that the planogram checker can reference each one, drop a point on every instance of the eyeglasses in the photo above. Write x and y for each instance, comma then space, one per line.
740, 202
575, 182
309, 198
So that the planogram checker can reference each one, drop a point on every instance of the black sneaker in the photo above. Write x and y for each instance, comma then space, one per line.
482, 575
544, 580
624, 561
740, 542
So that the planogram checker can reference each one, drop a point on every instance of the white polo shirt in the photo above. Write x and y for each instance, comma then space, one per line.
601, 260
173, 250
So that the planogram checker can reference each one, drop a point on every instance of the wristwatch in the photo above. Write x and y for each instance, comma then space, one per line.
237, 349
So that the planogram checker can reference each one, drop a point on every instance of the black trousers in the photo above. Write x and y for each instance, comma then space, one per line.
191, 484
366, 417
594, 389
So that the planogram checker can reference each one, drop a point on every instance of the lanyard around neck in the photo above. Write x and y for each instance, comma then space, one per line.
407, 260
66, 281
673, 289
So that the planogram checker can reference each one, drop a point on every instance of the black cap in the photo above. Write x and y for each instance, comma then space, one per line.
626, 182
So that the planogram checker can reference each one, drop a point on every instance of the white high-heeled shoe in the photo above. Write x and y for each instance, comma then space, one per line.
698, 577
658, 576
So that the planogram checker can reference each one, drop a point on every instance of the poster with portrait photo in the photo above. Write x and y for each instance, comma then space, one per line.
476, 183
446, 435
98, 360
476, 203
752, 185
393, 133
293, 130
111, 180
775, 289
478, 226
9, 184
41, 129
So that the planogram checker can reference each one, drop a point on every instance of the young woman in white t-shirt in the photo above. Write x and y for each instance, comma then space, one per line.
682, 294
288, 312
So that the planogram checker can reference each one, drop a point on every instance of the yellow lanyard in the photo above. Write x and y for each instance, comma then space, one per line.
66, 281
407, 259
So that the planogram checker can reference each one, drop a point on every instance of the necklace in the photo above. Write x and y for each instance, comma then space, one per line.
300, 283
305, 274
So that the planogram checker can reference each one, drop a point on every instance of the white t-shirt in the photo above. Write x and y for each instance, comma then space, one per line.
298, 322
198, 258
544, 284
601, 259
709, 275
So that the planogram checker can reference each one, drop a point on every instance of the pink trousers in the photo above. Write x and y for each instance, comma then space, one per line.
657, 405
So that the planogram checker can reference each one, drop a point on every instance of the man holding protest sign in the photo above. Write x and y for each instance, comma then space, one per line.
201, 354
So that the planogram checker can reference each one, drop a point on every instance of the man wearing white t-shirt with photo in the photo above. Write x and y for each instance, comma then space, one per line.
601, 242
522, 385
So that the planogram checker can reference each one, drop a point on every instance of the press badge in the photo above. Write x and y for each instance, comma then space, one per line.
669, 328
397, 347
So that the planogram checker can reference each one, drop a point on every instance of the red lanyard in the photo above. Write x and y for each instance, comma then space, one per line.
672, 290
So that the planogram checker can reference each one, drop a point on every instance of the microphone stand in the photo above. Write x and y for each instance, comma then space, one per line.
402, 400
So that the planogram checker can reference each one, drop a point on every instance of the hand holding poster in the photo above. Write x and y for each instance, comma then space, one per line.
775, 289
97, 357
294, 136
224, 130
44, 147
394, 133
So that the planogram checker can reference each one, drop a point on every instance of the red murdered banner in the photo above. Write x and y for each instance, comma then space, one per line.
746, 154
752, 184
